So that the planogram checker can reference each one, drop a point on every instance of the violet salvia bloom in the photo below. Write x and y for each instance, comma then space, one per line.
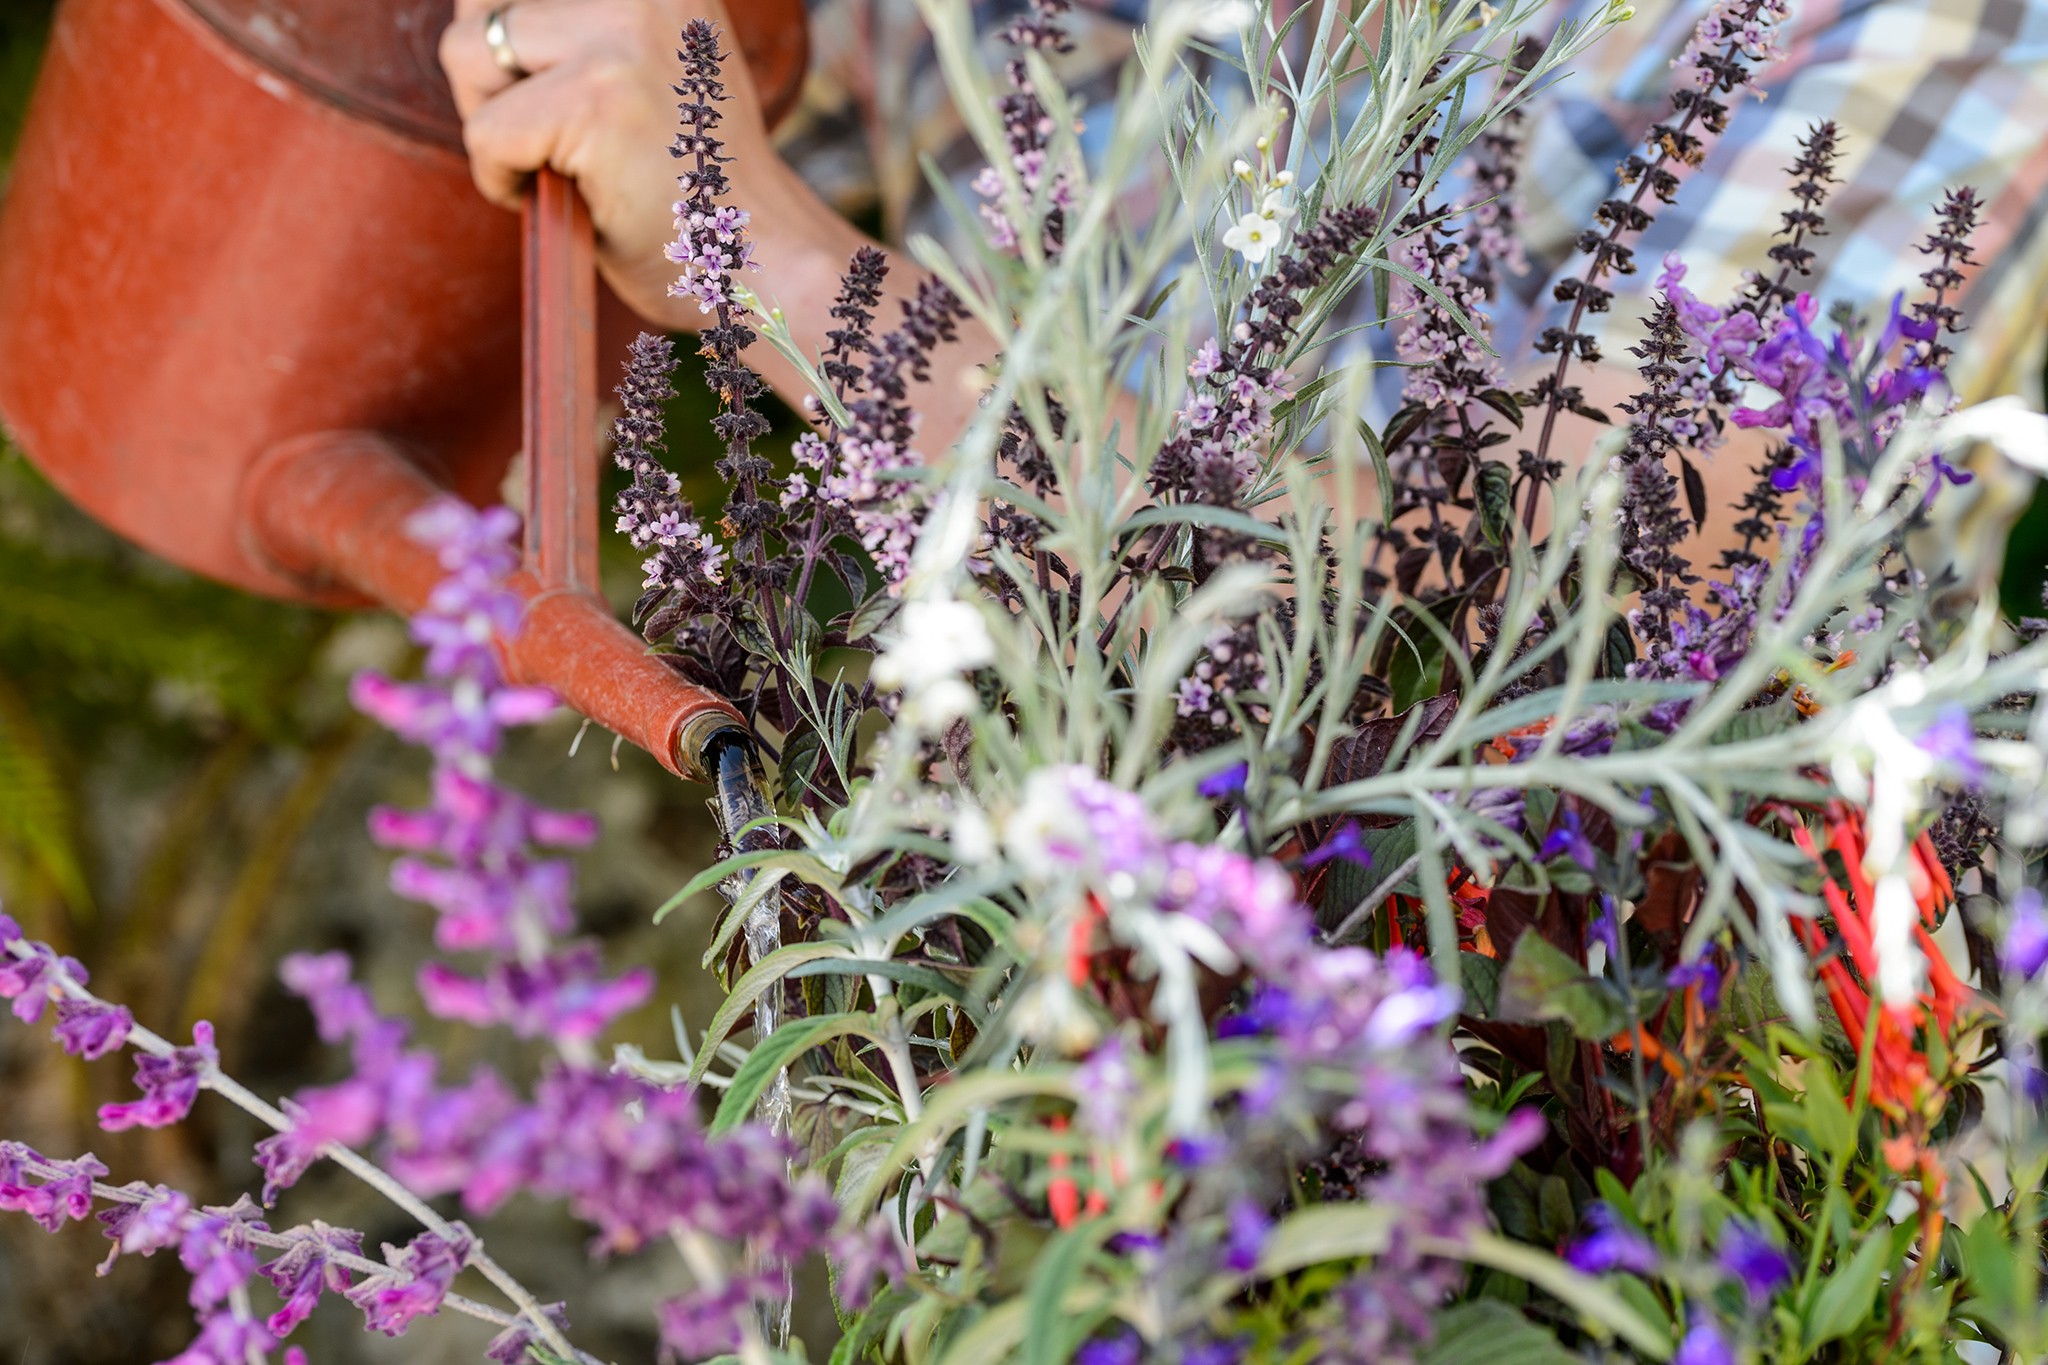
1949, 244
709, 1321
1121, 1347
92, 1028
1344, 844
306, 1269
152, 1222
1733, 36
63, 1195
1610, 1244
168, 1084
652, 513
510, 1347
564, 995
1753, 1259
337, 1115
1567, 838
2025, 950
1247, 1226
421, 1273
1703, 1344
32, 974
1704, 973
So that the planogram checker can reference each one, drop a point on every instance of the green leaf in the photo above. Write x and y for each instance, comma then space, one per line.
1542, 984
758, 978
1603, 1312
776, 1052
37, 812
1618, 651
1480, 976
907, 973
1493, 484
1491, 1333
871, 615
1842, 1304
1051, 1328
806, 866
1325, 1232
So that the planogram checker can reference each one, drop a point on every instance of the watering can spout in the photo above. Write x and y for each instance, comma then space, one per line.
329, 510
324, 266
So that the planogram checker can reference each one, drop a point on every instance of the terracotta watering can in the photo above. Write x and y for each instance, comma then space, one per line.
253, 314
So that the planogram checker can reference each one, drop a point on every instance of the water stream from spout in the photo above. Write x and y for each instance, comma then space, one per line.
737, 776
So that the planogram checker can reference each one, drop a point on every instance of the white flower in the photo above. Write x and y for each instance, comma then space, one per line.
1224, 18
1277, 205
1241, 168
1254, 237
936, 639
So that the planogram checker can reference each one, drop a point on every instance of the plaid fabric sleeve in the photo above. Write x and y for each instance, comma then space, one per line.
1929, 95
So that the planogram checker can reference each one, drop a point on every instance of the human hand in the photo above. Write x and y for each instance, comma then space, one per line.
597, 107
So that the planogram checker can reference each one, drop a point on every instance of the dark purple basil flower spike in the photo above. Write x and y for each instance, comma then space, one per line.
1754, 1259
1610, 1244
2025, 950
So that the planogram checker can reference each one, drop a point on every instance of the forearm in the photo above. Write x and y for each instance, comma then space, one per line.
802, 247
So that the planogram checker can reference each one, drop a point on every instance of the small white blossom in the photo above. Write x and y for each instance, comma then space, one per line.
1253, 238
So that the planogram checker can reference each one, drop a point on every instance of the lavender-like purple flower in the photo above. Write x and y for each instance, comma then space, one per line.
1344, 844
92, 1028
154, 1221
1247, 1225
306, 1269
30, 972
339, 1115
1729, 39
64, 1196
169, 1085
421, 1273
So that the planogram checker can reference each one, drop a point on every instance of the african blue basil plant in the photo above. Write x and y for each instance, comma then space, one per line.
1246, 883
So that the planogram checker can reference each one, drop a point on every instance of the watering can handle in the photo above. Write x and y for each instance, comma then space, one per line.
559, 388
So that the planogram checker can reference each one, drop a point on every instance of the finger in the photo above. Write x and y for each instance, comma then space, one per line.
542, 34
571, 118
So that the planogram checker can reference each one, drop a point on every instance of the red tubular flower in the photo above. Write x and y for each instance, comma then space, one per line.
1901, 1084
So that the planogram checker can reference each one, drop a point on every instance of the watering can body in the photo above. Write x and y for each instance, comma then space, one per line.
235, 224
